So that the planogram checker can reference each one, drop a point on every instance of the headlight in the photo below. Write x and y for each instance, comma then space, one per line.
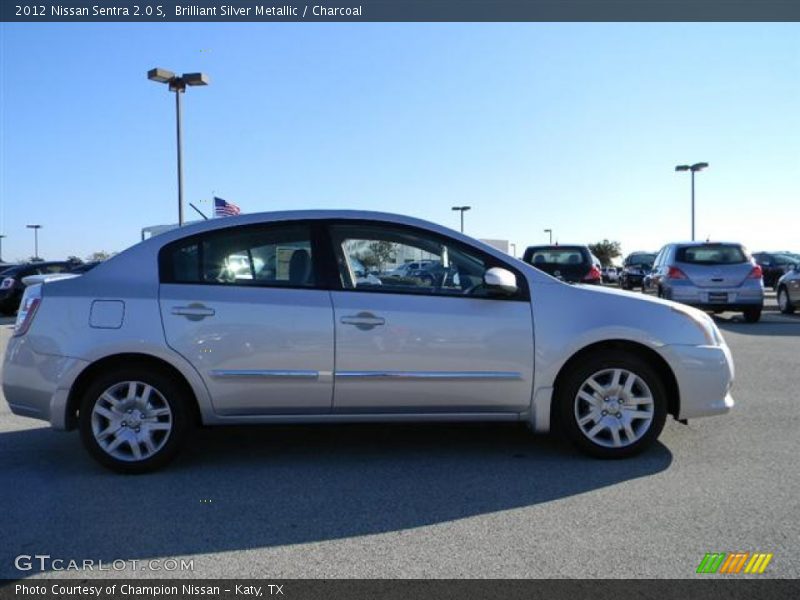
703, 322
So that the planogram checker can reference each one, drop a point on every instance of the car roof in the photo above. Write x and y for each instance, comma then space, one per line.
135, 266
558, 247
706, 243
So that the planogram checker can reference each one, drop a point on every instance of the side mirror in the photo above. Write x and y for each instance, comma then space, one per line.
501, 280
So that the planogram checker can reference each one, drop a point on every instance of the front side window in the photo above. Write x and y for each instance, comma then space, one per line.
260, 256
401, 260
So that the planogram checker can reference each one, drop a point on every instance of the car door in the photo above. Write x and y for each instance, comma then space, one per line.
409, 345
245, 307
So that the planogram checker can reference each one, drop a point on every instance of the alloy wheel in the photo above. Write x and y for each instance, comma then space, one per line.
131, 421
614, 408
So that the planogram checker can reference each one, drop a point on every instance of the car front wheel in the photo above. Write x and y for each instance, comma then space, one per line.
784, 303
133, 420
612, 405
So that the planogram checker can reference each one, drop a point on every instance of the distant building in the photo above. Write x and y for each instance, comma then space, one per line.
502, 245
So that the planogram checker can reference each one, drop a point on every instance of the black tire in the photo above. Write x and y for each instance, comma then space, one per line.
786, 306
170, 391
752, 315
570, 384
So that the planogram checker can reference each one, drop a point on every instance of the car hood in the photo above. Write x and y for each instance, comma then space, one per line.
610, 313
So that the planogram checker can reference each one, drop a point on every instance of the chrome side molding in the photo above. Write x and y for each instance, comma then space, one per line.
428, 375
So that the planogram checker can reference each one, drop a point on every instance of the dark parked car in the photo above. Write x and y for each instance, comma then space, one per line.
573, 264
774, 265
11, 287
635, 268
789, 291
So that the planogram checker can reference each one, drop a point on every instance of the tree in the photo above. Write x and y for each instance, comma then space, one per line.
606, 251
383, 252
98, 256
74, 259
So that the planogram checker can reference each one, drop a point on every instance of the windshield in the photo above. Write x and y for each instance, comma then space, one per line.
712, 254
785, 259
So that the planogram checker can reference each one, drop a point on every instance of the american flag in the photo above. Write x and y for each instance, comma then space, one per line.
222, 208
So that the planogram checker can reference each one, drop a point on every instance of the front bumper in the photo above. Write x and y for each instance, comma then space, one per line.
705, 376
37, 385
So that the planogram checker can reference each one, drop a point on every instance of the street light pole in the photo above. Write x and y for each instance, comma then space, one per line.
178, 85
462, 210
550, 231
180, 152
36, 229
693, 169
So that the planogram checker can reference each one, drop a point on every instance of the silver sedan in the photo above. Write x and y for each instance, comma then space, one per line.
263, 319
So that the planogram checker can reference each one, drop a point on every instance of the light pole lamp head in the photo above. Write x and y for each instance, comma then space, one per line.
462, 208
699, 166
160, 75
682, 168
195, 78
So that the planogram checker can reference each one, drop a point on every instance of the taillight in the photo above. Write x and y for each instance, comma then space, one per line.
756, 273
27, 309
7, 283
593, 274
676, 273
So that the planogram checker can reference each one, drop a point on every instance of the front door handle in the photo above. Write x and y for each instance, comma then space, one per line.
193, 312
363, 321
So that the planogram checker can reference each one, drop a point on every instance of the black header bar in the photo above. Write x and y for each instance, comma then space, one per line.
397, 10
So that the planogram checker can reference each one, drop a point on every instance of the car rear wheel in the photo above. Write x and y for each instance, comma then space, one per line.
784, 303
612, 405
134, 420
752, 315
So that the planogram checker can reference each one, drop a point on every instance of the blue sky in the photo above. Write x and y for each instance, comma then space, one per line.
574, 127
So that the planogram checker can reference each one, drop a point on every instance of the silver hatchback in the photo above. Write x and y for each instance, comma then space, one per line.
713, 276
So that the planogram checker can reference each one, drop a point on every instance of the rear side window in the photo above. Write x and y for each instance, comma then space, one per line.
262, 256
712, 254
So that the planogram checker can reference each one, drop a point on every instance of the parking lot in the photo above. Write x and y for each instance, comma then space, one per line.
429, 501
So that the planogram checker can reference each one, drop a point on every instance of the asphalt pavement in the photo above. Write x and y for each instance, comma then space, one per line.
428, 501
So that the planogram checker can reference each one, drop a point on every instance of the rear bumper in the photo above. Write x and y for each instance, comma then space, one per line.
725, 307
37, 385
705, 376
737, 298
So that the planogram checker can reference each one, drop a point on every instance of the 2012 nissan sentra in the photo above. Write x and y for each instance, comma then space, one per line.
262, 318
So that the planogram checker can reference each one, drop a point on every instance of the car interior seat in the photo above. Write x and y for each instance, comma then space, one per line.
300, 267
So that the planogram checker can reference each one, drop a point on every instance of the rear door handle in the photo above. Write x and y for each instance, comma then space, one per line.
194, 312
363, 320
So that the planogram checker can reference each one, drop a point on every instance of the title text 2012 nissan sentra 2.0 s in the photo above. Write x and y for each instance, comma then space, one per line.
303, 317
